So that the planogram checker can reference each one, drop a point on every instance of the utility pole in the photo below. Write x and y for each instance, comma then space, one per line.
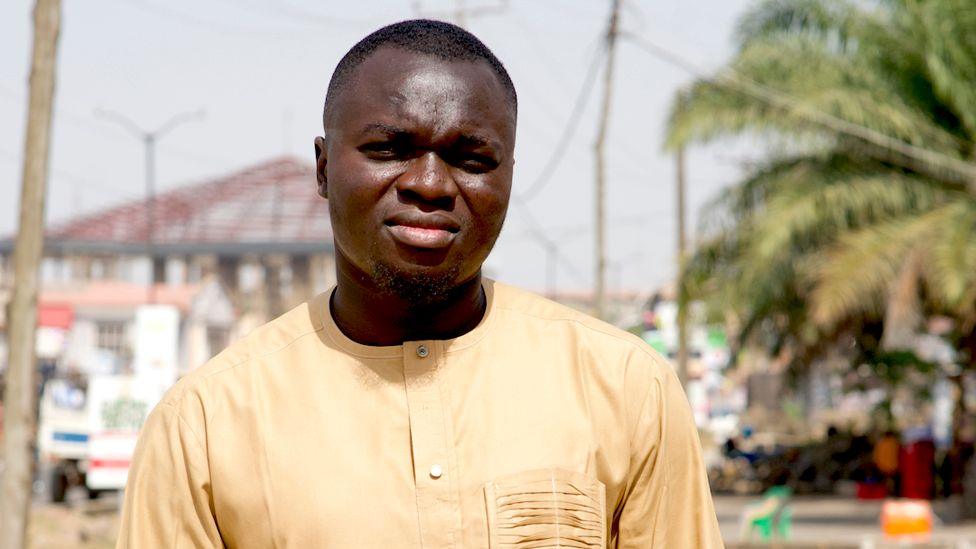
552, 256
600, 304
459, 15
461, 11
682, 320
157, 266
19, 403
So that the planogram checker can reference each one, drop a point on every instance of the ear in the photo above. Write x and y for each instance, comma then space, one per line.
320, 162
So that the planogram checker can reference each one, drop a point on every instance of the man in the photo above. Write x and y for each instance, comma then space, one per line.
419, 405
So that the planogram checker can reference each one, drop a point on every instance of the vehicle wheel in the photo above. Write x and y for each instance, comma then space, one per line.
59, 484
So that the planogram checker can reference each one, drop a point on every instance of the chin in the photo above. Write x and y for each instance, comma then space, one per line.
422, 286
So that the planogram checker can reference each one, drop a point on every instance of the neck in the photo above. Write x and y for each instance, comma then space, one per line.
369, 315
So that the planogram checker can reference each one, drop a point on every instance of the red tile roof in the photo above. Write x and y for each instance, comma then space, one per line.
271, 203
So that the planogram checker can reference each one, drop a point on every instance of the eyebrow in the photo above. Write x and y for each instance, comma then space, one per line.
467, 140
474, 140
384, 128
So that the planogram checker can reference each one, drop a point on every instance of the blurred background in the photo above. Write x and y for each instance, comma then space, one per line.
779, 195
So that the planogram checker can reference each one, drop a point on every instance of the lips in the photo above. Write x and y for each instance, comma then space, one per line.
429, 231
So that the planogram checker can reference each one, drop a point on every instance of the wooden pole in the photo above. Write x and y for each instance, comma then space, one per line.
19, 397
600, 292
552, 257
682, 320
149, 141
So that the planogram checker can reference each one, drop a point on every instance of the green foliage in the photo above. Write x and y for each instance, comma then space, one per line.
812, 242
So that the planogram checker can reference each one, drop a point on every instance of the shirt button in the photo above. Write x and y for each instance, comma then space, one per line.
436, 471
422, 351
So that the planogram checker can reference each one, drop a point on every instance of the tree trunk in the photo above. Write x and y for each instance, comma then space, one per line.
903, 315
20, 388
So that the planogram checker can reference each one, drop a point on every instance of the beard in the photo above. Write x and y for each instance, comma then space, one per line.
417, 288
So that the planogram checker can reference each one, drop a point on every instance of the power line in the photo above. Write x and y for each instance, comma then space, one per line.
776, 98
569, 232
552, 248
117, 192
461, 12
294, 13
193, 20
570, 129
90, 124
550, 62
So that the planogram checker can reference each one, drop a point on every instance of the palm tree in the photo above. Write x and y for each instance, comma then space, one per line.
833, 227
860, 222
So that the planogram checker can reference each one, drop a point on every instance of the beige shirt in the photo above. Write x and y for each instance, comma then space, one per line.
541, 427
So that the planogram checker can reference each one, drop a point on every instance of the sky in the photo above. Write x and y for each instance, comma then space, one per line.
259, 69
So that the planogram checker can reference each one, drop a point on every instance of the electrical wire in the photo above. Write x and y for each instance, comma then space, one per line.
95, 126
570, 129
116, 192
294, 13
535, 231
207, 24
926, 157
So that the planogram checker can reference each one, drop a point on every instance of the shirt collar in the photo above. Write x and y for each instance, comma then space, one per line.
322, 311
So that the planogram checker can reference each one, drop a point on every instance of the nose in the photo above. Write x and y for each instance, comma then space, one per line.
428, 182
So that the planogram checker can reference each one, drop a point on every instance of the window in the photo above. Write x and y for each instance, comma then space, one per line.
111, 336
217, 339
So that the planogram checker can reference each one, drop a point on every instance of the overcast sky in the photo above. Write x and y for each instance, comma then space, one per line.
259, 69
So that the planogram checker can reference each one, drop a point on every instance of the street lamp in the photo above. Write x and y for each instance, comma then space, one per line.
149, 139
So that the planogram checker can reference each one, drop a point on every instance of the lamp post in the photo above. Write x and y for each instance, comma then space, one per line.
149, 139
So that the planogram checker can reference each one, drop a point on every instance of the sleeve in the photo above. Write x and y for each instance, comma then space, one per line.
668, 503
167, 496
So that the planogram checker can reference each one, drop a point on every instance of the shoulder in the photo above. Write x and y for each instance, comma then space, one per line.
289, 329
612, 344
534, 309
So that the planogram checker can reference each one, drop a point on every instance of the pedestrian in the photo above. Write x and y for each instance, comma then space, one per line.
419, 404
885, 457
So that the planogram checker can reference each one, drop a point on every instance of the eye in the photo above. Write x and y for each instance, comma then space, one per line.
475, 163
384, 150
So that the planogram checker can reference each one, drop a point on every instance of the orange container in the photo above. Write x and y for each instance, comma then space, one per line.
906, 519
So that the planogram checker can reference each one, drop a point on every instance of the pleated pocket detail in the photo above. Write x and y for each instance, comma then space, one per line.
546, 508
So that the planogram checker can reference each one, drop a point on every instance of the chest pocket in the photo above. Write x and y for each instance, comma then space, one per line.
546, 508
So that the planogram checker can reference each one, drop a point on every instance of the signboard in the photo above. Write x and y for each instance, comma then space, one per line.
117, 408
157, 343
49, 342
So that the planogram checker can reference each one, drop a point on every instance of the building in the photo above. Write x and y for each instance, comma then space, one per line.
262, 231
89, 327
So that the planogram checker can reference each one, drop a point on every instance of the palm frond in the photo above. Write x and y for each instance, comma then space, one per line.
844, 86
828, 18
821, 206
853, 277
952, 272
950, 35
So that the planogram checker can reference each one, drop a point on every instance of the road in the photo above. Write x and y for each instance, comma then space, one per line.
831, 522
818, 522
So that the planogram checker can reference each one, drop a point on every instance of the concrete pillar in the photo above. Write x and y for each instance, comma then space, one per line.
81, 268
203, 266
301, 279
6, 275
110, 267
323, 272
273, 265
227, 272
159, 270
188, 267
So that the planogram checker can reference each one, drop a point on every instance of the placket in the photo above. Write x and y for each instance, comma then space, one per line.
438, 507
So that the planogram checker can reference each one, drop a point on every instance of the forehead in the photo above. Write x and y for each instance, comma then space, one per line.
395, 86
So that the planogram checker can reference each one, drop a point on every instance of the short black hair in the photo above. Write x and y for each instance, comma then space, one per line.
437, 38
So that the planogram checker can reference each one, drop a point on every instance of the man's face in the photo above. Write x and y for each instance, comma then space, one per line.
417, 166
